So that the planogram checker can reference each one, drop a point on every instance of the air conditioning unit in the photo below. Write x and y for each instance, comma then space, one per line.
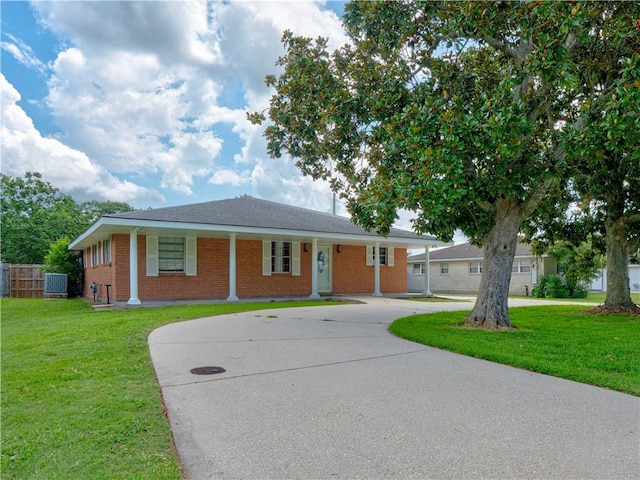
55, 283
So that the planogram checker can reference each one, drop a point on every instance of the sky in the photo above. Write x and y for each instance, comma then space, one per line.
145, 102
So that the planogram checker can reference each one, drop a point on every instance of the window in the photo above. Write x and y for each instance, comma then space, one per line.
383, 255
171, 254
444, 268
94, 255
521, 265
386, 255
475, 268
106, 251
281, 257
418, 268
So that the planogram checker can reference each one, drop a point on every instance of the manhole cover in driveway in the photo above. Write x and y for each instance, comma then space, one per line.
207, 370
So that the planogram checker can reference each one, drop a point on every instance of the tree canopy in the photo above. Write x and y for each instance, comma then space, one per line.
603, 201
34, 214
453, 110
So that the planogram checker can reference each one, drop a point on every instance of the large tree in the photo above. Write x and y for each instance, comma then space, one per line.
34, 214
605, 153
449, 109
94, 209
601, 143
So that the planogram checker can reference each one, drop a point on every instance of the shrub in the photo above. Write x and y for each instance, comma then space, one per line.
552, 286
556, 288
61, 260
577, 290
540, 290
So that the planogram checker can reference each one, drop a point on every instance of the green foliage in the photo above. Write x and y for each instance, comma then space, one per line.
580, 263
555, 340
554, 286
462, 112
601, 148
61, 260
93, 210
393, 124
34, 214
448, 109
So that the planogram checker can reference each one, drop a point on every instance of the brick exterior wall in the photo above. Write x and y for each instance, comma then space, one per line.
251, 283
350, 273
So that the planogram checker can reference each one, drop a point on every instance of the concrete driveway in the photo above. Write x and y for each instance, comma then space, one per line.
327, 393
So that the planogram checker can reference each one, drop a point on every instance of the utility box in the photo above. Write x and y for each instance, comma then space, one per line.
55, 285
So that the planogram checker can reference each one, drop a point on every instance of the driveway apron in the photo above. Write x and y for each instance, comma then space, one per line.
327, 393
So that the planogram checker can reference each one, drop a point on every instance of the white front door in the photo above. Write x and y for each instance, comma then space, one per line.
323, 264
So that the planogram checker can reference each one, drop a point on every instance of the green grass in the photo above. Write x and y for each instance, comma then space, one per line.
593, 297
555, 340
79, 394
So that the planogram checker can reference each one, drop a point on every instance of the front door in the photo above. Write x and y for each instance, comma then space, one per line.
323, 264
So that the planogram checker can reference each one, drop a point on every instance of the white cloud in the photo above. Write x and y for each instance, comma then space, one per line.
139, 121
175, 32
22, 53
225, 176
139, 88
24, 150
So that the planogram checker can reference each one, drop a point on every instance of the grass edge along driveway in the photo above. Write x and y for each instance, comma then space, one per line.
601, 350
79, 393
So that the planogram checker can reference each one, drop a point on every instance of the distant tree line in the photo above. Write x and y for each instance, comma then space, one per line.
35, 216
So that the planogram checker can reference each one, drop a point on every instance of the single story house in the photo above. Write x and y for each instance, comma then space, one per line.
458, 269
600, 282
240, 248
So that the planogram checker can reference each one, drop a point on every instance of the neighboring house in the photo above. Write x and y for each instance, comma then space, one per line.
241, 247
600, 283
458, 269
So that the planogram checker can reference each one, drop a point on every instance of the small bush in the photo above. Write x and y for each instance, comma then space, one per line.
540, 290
557, 288
552, 286
578, 290
61, 260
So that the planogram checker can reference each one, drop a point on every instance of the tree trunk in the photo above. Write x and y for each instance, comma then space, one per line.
618, 290
491, 308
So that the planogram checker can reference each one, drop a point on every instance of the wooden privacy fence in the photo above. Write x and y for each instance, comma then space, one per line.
22, 281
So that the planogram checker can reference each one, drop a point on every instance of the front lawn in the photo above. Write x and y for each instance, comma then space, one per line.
79, 394
592, 297
556, 340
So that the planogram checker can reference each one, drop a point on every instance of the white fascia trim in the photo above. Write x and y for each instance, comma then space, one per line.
86, 234
273, 232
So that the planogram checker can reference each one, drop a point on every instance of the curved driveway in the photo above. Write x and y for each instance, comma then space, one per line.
327, 393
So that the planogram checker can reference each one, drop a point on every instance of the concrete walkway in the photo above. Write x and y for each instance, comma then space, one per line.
327, 393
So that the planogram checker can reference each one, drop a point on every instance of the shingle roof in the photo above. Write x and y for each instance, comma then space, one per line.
464, 251
248, 211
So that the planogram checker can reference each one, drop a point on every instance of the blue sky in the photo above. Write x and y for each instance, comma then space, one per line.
144, 102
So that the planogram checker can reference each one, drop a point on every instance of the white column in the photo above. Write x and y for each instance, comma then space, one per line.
376, 266
314, 269
232, 268
133, 267
427, 274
